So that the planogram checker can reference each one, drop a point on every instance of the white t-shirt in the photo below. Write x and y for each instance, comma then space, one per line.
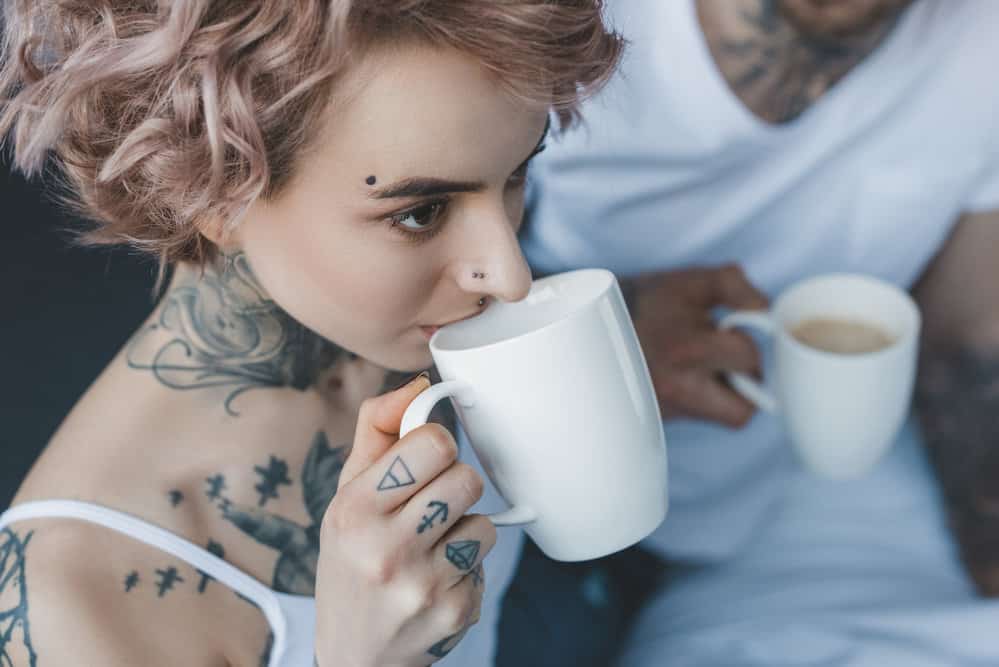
672, 170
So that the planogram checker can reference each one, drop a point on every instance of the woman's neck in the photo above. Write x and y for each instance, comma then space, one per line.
217, 329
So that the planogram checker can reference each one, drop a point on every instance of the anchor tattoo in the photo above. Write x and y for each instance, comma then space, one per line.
440, 511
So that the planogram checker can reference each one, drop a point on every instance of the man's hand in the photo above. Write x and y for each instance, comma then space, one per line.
686, 353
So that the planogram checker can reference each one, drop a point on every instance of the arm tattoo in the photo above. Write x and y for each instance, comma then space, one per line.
226, 332
15, 631
296, 544
957, 399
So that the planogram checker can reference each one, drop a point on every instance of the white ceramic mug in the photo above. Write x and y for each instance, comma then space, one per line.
557, 401
842, 411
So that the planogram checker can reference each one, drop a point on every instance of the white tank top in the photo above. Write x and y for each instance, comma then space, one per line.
292, 617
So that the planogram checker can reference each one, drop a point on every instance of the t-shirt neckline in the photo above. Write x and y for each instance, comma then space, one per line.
733, 109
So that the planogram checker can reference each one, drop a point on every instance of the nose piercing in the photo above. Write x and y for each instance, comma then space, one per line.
478, 275
482, 302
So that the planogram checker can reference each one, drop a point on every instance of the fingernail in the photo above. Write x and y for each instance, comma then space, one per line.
425, 375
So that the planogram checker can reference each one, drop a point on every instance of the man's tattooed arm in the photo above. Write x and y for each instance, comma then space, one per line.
957, 400
957, 393
224, 331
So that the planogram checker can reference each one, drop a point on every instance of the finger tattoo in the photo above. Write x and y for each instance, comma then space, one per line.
439, 514
463, 553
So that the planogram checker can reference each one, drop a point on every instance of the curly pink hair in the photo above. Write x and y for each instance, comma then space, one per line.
164, 116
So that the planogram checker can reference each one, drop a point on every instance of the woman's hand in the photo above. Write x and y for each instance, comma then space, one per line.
399, 578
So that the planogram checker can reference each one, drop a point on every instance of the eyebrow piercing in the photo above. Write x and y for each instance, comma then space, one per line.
478, 275
371, 180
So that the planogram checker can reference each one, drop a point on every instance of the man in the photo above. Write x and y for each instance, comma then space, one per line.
772, 140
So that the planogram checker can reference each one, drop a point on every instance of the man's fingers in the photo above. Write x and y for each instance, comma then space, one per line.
378, 424
727, 350
733, 289
703, 395
711, 349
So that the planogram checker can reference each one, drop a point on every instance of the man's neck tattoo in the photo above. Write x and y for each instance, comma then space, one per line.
777, 70
226, 332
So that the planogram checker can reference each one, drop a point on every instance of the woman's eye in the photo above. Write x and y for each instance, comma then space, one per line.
420, 218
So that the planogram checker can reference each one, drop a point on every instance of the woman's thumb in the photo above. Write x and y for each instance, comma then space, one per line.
378, 424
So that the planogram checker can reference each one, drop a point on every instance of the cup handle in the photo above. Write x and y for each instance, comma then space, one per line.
756, 393
418, 412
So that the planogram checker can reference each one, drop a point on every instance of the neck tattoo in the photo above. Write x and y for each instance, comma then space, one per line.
777, 70
224, 331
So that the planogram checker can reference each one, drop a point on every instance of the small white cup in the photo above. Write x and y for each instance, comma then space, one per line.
842, 411
558, 404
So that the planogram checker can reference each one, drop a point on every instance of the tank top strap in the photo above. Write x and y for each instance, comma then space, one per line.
262, 596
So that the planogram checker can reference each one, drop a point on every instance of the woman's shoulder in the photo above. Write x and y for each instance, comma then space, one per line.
77, 593
69, 607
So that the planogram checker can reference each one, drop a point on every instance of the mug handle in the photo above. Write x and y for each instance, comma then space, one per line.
419, 411
755, 392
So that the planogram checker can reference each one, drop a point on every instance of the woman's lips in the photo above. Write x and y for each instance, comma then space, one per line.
429, 331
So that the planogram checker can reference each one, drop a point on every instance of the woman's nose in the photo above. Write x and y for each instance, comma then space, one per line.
495, 266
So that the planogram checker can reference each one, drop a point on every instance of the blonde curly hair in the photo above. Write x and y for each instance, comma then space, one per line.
164, 116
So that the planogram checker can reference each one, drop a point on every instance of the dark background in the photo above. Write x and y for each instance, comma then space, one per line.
66, 311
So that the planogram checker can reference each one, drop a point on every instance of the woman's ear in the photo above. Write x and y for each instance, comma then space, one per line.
224, 237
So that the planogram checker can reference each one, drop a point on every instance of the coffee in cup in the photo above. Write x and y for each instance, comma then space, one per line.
845, 368
841, 336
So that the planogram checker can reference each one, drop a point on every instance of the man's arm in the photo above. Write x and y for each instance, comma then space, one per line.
957, 393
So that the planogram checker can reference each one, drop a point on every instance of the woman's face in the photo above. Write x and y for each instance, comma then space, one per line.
412, 194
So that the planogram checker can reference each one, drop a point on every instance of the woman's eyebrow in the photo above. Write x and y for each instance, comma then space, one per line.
428, 187
425, 187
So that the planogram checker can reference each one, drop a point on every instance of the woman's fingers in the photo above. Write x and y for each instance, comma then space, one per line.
442, 626
429, 514
459, 554
405, 469
378, 425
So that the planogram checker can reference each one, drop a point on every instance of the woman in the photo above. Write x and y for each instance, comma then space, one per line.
330, 182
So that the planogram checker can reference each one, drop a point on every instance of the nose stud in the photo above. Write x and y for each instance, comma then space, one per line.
482, 302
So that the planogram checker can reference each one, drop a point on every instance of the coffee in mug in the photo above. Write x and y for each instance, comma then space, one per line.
842, 336
842, 411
